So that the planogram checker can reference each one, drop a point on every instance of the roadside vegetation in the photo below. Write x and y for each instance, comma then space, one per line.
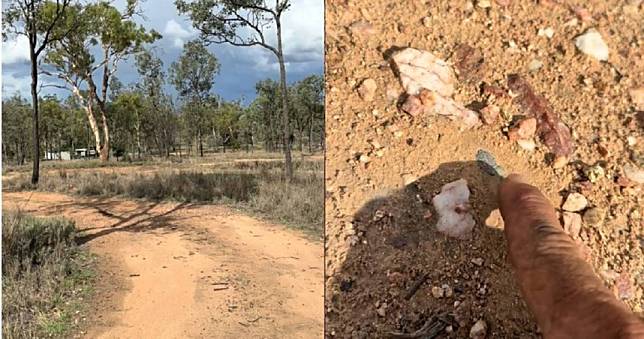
258, 187
46, 277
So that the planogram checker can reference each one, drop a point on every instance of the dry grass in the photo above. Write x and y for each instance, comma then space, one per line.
255, 186
45, 276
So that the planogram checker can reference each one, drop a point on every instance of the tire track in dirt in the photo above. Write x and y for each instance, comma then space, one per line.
179, 270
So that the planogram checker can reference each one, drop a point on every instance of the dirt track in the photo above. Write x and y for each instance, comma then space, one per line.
173, 270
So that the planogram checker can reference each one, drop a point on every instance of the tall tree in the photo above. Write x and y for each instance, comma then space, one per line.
99, 27
37, 20
245, 23
193, 76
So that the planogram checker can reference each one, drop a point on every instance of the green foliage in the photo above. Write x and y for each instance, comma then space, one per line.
16, 129
194, 73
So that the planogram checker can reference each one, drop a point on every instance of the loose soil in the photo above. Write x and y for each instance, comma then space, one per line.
380, 233
171, 270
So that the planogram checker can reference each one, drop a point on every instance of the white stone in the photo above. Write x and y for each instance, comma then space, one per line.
479, 330
453, 208
575, 202
535, 65
421, 69
548, 32
591, 43
634, 173
527, 144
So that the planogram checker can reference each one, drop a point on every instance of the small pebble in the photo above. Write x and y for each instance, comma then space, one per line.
437, 292
367, 89
479, 330
592, 44
548, 32
572, 223
535, 65
575, 202
478, 261
364, 158
634, 173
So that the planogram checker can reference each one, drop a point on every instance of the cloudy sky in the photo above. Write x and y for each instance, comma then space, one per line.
241, 67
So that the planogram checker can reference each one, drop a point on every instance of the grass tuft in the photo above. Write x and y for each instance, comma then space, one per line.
44, 276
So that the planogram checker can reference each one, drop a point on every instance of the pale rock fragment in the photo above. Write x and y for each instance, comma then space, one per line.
572, 223
489, 114
428, 102
592, 43
422, 69
453, 208
527, 144
479, 330
637, 96
634, 173
367, 89
575, 202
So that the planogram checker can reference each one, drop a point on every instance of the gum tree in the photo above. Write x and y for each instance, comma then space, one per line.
37, 20
87, 58
193, 76
245, 23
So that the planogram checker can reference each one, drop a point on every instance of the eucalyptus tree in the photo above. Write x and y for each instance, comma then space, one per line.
37, 20
16, 124
245, 23
102, 38
193, 76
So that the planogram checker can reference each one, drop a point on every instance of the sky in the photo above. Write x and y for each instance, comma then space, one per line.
241, 67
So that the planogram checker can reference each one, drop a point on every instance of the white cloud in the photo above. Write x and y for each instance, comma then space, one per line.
303, 35
15, 50
174, 31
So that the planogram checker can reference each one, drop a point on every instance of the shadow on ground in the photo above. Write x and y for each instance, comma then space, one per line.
397, 258
143, 216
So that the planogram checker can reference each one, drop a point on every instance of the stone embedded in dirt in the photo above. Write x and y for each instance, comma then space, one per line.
447, 291
477, 261
560, 162
575, 202
637, 96
421, 69
552, 132
592, 44
428, 102
479, 330
623, 286
382, 310
364, 158
547, 32
484, 4
634, 173
367, 89
594, 216
453, 208
523, 130
362, 28
572, 223
535, 65
594, 173
582, 13
495, 220
503, 3
437, 292
623, 181
489, 114
469, 63
528, 145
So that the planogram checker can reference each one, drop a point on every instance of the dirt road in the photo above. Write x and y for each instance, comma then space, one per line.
179, 270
